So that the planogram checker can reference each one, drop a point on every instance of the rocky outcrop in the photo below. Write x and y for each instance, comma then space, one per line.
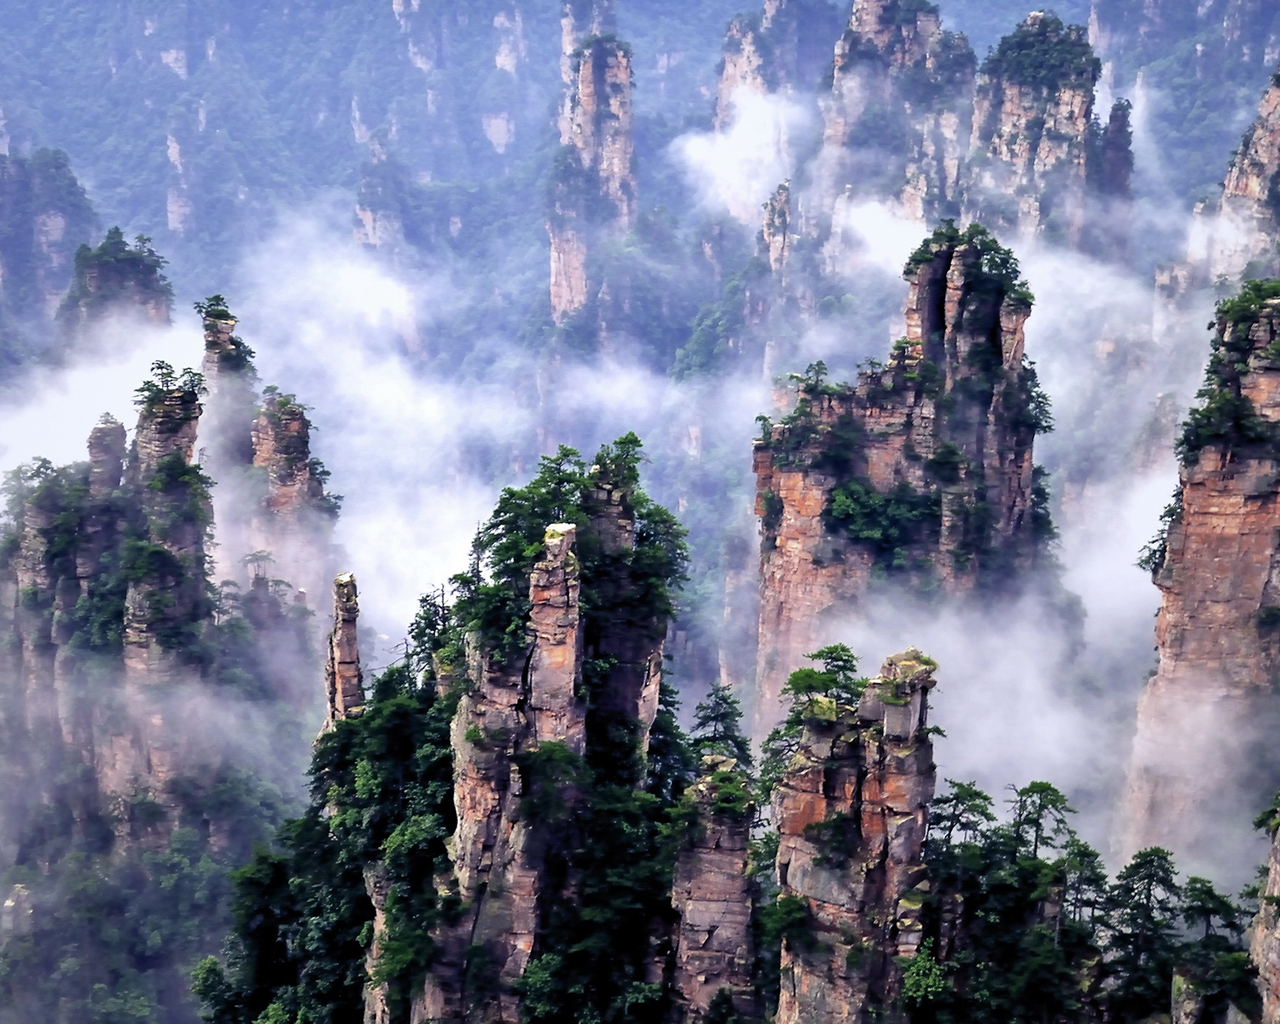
785, 48
897, 121
49, 217
1238, 233
344, 681
116, 278
851, 813
918, 475
1264, 944
513, 711
1030, 150
714, 946
594, 184
1202, 756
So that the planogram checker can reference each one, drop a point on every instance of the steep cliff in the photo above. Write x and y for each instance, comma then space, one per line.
1031, 146
897, 119
1200, 758
593, 184
1237, 234
557, 714
919, 475
713, 895
785, 48
851, 813
1264, 945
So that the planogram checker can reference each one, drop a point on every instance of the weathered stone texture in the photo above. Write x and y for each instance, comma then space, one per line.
344, 679
1029, 152
1200, 749
851, 815
883, 431
712, 895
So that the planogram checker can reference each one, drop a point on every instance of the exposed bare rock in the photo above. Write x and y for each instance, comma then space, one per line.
1030, 149
512, 710
946, 429
344, 681
786, 48
895, 63
1202, 754
116, 279
712, 894
1241, 229
594, 186
851, 813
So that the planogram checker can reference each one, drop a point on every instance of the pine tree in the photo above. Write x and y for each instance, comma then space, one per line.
715, 726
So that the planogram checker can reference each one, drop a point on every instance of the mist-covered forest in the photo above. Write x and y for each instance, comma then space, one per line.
640, 513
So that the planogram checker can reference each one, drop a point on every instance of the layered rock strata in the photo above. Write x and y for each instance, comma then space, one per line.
851, 813
1202, 757
920, 472
714, 946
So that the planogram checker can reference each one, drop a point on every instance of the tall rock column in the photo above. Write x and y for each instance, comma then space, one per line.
513, 710
594, 184
712, 894
919, 476
1264, 942
1203, 757
344, 680
1030, 150
851, 813
166, 602
895, 62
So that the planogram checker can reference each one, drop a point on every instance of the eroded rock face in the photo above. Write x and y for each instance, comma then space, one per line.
1030, 148
1240, 230
851, 813
594, 186
895, 57
714, 945
344, 680
498, 869
947, 426
1202, 758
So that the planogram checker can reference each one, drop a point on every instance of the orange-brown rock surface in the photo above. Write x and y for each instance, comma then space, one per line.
1201, 760
946, 426
851, 813
344, 680
512, 709
714, 946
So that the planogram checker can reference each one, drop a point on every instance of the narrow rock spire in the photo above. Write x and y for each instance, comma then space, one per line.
344, 682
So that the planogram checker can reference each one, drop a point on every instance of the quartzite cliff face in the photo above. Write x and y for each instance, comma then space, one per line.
921, 472
851, 815
1201, 751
